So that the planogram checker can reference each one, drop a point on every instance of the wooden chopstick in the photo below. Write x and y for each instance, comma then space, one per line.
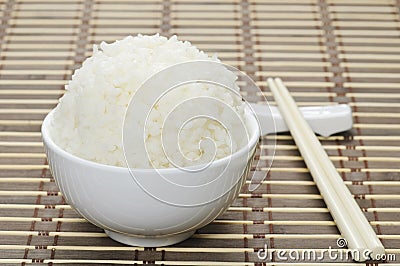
350, 220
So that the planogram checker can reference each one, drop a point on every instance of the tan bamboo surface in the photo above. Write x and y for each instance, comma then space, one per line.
326, 51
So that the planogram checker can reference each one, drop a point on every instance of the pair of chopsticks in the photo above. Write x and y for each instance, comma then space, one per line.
350, 220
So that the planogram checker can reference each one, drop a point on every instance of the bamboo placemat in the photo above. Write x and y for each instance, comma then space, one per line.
326, 51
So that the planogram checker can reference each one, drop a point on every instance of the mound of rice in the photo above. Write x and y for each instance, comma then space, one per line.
88, 120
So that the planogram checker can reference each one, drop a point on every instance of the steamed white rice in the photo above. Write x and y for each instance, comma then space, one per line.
88, 119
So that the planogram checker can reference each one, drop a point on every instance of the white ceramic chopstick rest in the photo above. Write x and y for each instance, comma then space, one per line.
324, 120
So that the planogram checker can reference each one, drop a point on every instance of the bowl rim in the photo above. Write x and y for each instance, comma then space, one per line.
46, 137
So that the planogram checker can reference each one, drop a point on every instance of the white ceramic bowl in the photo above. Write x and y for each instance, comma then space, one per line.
140, 207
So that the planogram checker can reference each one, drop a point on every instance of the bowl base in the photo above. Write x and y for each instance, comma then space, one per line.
150, 241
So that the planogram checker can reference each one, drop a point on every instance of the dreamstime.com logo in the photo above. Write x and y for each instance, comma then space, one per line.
192, 119
332, 254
